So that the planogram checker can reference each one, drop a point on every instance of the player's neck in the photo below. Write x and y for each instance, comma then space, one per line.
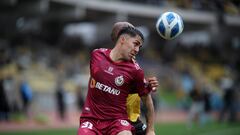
115, 55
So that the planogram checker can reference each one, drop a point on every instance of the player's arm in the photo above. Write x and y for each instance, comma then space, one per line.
144, 87
147, 100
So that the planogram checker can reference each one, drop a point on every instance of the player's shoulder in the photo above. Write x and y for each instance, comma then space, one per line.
100, 50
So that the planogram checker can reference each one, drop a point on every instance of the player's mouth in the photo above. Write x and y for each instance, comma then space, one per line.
132, 55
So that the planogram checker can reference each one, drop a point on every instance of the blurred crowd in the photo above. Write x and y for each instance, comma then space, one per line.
231, 7
27, 71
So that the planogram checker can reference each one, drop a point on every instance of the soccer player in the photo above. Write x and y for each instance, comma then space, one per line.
133, 100
114, 72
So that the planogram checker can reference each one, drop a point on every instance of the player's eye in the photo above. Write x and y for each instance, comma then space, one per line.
136, 45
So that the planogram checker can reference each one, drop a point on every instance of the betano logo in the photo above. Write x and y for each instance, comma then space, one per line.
103, 87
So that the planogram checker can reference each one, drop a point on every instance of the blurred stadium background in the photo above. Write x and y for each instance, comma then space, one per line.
44, 56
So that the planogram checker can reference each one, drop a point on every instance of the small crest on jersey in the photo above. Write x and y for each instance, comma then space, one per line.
124, 122
119, 80
110, 69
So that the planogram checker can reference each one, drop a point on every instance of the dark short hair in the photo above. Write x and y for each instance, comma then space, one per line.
114, 34
131, 32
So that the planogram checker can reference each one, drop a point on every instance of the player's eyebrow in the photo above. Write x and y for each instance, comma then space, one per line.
137, 43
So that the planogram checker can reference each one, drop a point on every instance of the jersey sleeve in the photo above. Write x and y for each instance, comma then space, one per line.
93, 59
140, 83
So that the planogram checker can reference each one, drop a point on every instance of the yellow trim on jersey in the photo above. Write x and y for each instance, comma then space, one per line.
133, 107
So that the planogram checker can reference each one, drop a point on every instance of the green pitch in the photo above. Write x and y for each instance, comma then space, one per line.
208, 129
161, 129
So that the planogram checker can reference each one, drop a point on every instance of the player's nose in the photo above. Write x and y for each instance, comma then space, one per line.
136, 49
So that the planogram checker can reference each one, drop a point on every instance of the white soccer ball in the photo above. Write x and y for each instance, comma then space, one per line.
169, 25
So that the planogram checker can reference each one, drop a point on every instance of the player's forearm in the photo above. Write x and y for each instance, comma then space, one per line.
150, 112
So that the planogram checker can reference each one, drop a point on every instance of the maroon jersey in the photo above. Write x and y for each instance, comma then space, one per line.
109, 85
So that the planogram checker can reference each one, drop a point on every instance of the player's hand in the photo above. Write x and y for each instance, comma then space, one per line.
153, 83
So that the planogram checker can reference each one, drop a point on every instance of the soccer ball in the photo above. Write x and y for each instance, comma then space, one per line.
169, 25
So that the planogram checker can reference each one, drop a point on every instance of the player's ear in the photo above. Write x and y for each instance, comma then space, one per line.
122, 39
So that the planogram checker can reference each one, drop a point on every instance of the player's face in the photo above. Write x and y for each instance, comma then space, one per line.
131, 47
